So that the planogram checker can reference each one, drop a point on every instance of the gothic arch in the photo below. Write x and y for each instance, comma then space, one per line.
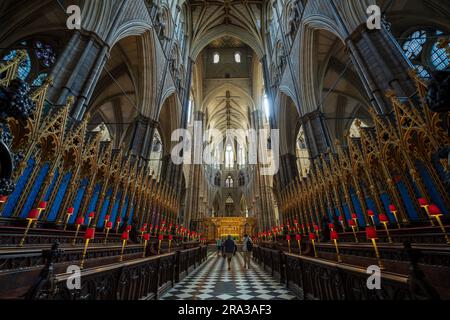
222, 31
169, 120
287, 90
26, 18
311, 27
130, 28
288, 122
126, 88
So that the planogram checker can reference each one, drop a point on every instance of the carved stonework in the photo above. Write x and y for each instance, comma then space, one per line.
15, 103
219, 227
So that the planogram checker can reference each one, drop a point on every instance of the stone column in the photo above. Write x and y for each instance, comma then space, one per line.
288, 169
263, 182
195, 176
379, 62
178, 173
316, 133
141, 141
77, 71
380, 65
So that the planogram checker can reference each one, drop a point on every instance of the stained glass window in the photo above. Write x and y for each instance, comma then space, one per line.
45, 54
414, 45
237, 57
40, 57
39, 81
266, 106
229, 156
216, 58
24, 67
422, 48
439, 57
422, 72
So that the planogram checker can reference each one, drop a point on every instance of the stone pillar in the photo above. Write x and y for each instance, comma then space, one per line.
379, 62
178, 173
141, 141
316, 133
380, 65
77, 71
263, 182
288, 169
195, 176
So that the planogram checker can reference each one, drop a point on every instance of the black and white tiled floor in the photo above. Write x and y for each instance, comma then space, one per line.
212, 281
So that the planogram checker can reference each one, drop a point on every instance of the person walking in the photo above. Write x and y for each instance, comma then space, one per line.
219, 247
247, 247
230, 249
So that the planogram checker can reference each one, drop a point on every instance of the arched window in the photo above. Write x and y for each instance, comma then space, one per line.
24, 67
39, 81
229, 182
216, 57
237, 57
414, 45
229, 156
439, 57
303, 162
45, 53
190, 109
39, 59
422, 48
156, 155
266, 106
217, 157
241, 156
423, 73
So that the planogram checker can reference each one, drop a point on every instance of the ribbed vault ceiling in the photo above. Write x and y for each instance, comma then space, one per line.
217, 18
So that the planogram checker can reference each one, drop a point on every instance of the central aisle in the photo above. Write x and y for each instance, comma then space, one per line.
212, 281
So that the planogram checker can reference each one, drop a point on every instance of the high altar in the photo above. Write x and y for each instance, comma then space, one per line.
220, 227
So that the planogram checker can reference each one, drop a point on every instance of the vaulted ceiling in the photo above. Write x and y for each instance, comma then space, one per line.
214, 19
227, 86
228, 109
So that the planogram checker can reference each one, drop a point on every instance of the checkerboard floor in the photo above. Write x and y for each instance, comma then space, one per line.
213, 281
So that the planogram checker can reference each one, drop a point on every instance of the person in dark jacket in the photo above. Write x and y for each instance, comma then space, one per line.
219, 247
247, 246
230, 248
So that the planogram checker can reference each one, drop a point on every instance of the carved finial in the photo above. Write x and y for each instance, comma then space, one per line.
391, 94
413, 74
86, 117
49, 81
70, 101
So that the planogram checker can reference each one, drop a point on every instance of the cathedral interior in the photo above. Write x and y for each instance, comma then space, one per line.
135, 135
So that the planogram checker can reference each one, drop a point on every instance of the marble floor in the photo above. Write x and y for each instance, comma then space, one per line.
213, 281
